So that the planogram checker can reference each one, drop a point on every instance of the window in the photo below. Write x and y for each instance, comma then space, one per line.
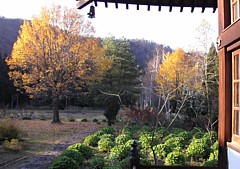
236, 96
235, 10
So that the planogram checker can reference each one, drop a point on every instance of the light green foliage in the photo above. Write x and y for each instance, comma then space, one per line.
73, 154
161, 150
198, 148
64, 162
175, 158
105, 144
108, 130
122, 138
120, 152
85, 150
108, 136
92, 140
13, 145
147, 140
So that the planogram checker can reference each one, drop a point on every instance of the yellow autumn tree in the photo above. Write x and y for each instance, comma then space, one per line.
56, 55
176, 74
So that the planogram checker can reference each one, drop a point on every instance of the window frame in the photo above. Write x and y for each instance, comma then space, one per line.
236, 105
235, 10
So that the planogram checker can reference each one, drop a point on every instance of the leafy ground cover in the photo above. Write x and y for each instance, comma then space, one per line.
109, 148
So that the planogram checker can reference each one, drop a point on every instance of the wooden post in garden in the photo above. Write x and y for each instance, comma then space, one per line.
134, 156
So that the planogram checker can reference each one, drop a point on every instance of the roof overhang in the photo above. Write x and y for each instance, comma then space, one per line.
165, 3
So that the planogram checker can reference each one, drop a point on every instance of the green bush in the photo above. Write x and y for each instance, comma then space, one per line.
212, 136
175, 142
26, 118
162, 132
198, 135
214, 146
108, 130
123, 138
175, 158
71, 119
171, 135
105, 144
63, 162
147, 140
176, 130
73, 154
120, 152
161, 151
84, 120
86, 151
198, 148
109, 136
97, 162
8, 130
95, 120
91, 140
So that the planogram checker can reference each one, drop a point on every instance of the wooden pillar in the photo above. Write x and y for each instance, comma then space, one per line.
225, 105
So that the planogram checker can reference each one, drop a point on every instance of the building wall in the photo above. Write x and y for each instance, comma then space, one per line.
233, 159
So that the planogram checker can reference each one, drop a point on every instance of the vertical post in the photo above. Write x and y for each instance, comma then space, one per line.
134, 156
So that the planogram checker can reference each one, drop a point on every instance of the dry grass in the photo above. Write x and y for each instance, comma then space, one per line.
40, 137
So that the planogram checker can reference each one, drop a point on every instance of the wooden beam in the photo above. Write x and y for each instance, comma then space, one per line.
225, 105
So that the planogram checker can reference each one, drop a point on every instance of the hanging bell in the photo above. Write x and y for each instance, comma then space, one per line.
91, 13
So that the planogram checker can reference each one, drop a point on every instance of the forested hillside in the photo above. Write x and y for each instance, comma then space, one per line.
8, 33
142, 49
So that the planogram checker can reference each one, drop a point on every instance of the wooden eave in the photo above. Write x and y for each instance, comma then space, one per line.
165, 3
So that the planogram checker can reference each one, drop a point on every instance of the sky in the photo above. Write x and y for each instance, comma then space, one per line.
175, 29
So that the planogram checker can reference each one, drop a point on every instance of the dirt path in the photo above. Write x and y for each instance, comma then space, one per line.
46, 141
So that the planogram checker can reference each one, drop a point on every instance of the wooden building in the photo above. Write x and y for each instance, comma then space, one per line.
228, 44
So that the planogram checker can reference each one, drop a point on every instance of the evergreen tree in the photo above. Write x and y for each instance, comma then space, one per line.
120, 84
211, 83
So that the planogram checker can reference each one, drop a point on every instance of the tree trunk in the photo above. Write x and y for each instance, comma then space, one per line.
56, 118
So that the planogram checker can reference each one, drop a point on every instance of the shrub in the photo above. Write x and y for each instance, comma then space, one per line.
214, 146
13, 145
109, 136
26, 118
107, 130
63, 162
175, 142
71, 119
147, 140
73, 154
86, 151
176, 130
175, 158
162, 132
95, 120
8, 130
212, 136
97, 162
198, 148
212, 160
91, 140
161, 150
198, 135
169, 136
84, 120
120, 152
123, 138
105, 144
